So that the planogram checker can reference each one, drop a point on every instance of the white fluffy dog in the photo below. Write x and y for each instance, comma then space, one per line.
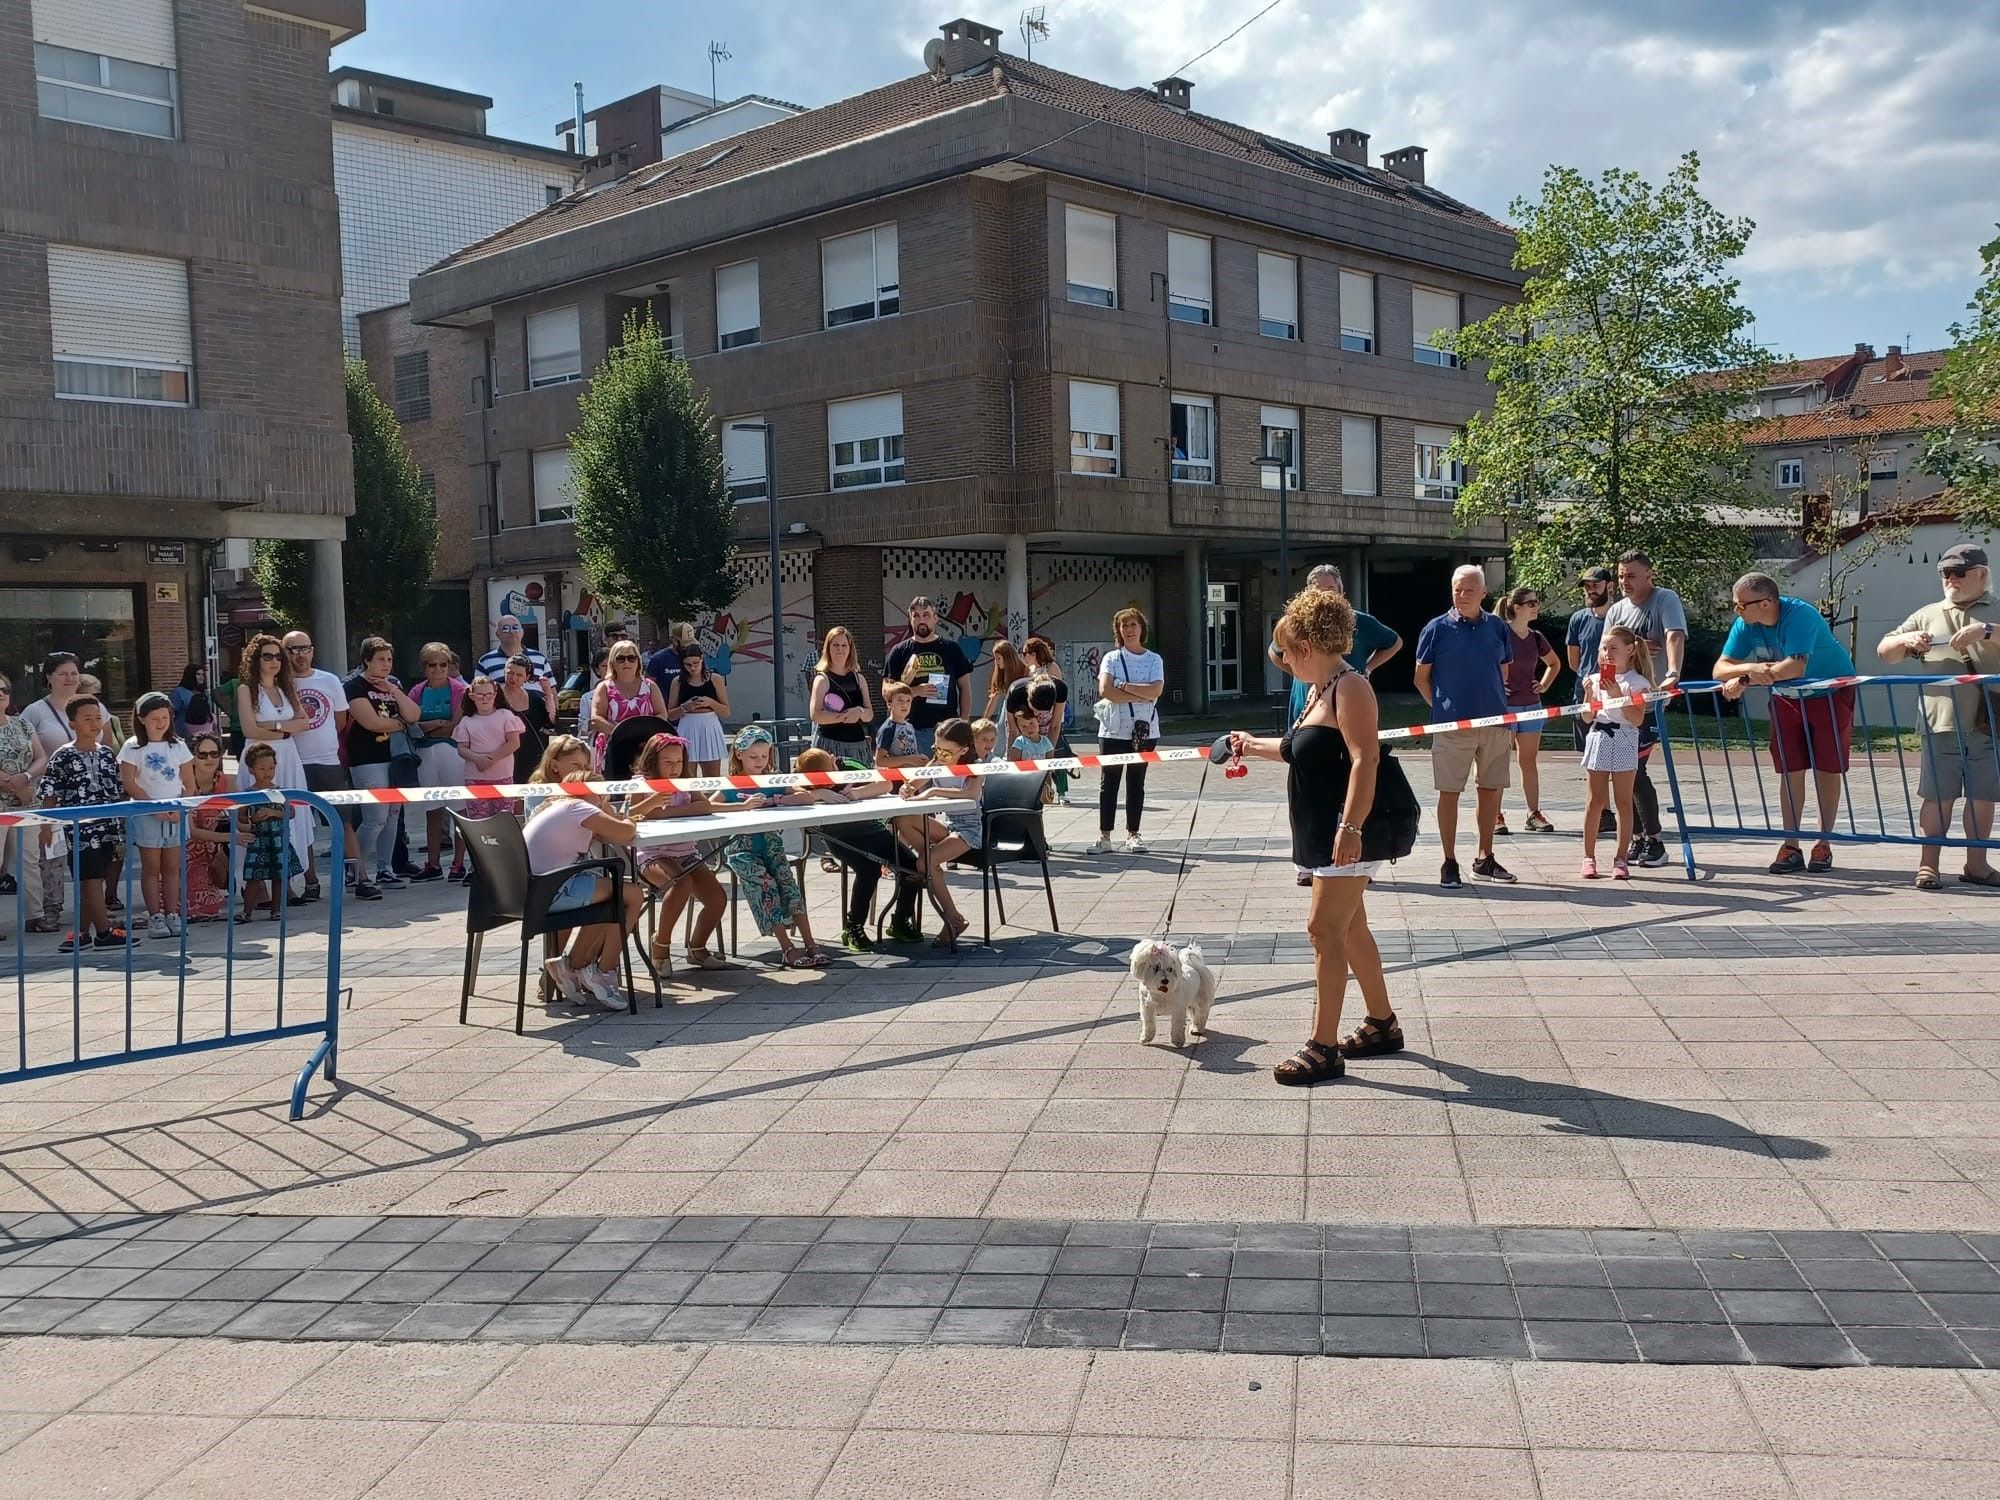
1177, 981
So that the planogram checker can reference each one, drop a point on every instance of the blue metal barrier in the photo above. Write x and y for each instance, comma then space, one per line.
1741, 774
218, 822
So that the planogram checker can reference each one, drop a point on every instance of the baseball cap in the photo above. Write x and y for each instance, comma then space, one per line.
1596, 575
1964, 555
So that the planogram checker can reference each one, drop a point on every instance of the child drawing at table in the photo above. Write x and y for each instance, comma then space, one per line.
759, 862
270, 862
958, 834
677, 870
1611, 748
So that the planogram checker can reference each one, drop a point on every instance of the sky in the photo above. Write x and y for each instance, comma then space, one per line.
1861, 136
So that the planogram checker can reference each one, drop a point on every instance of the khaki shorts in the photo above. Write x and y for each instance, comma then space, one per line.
1951, 766
1456, 751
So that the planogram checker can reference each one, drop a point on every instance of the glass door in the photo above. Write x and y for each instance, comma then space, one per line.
1225, 644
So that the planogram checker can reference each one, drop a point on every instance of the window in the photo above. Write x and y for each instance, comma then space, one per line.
554, 499
1791, 473
96, 624
119, 326
109, 63
865, 441
555, 347
743, 468
1190, 290
1194, 439
1279, 439
413, 386
1093, 428
736, 305
1090, 250
551, 193
1277, 296
1433, 313
858, 276
1438, 475
1359, 471
1882, 464
1357, 312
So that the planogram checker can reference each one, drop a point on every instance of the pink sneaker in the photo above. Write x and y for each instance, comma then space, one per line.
1620, 870
1589, 870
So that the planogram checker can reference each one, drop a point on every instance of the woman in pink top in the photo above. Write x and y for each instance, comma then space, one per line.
625, 693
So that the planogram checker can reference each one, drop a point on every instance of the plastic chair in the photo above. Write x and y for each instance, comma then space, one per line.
628, 737
504, 891
1010, 819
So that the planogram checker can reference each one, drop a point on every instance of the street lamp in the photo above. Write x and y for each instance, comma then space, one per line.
777, 588
1281, 438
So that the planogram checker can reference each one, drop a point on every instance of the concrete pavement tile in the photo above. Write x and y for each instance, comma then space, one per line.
55, 1374
1585, 1474
478, 1460
187, 1379
312, 1458
586, 1383
945, 1465
991, 1390
1144, 1394
1655, 1407
413, 1382
1852, 1478
1394, 1471
1871, 1413
1143, 1467
729, 1463
779, 1387
1458, 1402
123, 1454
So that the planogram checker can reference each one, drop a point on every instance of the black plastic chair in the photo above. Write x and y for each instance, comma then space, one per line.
904, 862
504, 891
1010, 819
628, 737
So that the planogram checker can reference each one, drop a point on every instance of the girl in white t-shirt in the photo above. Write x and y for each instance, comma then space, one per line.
157, 767
1130, 680
1611, 748
558, 835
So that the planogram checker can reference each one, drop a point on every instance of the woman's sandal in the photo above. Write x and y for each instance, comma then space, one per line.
708, 958
799, 958
1313, 1063
661, 957
953, 931
1373, 1038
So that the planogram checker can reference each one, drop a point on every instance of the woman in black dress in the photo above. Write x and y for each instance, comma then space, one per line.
839, 704
520, 693
1333, 755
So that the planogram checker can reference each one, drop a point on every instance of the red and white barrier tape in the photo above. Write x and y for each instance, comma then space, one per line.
1533, 715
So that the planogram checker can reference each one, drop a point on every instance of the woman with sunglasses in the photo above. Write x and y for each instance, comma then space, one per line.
440, 700
625, 693
1530, 673
21, 761
209, 838
47, 718
270, 710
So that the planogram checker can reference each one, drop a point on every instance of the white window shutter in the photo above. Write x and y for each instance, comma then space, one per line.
888, 271
554, 343
1435, 437
847, 270
1432, 313
132, 308
140, 31
1093, 407
552, 481
742, 452
1358, 468
1091, 241
1357, 302
1188, 267
736, 298
1277, 288
870, 416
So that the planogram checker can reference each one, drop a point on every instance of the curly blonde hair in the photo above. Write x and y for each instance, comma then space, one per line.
1319, 619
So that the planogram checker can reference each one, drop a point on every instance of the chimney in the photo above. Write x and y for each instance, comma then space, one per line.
1892, 367
607, 167
1407, 163
966, 44
1864, 352
1348, 145
1174, 93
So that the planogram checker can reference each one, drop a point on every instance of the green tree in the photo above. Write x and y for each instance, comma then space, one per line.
391, 537
1966, 450
653, 518
1615, 379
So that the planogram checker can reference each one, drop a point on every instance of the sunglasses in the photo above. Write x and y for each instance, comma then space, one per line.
208, 755
270, 656
298, 648
1953, 572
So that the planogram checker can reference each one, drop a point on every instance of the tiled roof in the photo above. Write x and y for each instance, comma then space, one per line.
909, 100
1872, 385
1835, 421
1804, 371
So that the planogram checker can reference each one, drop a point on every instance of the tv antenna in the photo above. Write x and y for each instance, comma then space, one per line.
1034, 25
717, 52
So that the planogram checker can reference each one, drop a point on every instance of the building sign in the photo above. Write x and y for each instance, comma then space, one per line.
166, 593
166, 554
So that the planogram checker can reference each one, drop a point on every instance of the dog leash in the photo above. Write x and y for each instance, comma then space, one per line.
1217, 754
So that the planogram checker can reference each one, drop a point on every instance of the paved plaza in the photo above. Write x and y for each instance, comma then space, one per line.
1686, 1187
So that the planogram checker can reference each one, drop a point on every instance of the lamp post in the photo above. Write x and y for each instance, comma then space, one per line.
777, 587
1270, 459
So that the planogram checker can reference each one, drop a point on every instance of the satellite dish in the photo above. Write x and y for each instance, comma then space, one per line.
934, 58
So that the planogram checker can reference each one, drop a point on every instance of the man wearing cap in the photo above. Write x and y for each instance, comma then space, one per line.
1958, 635
1777, 639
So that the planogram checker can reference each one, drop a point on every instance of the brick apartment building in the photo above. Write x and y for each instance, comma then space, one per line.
1021, 338
169, 347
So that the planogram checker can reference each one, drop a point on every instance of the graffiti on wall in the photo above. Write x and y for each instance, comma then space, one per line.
736, 640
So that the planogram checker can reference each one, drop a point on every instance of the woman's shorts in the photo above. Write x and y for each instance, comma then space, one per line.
577, 892
149, 832
1367, 868
440, 765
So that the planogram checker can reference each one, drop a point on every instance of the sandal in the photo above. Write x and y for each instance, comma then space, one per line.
953, 931
661, 956
1373, 1038
708, 958
1312, 1063
1984, 877
797, 958
1928, 880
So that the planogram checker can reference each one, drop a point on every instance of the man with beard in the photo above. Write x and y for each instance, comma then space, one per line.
936, 671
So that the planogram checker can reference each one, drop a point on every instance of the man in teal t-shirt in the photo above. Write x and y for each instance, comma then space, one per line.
1374, 642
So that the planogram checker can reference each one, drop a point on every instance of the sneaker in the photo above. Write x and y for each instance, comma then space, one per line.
1655, 854
1620, 870
113, 937
1790, 861
158, 927
1502, 831
388, 880
565, 979
904, 932
468, 876
1061, 801
364, 891
71, 943
8, 886
112, 902
1589, 869
1135, 845
1102, 846
602, 986
457, 871
1486, 867
1448, 875
175, 926
856, 938
1539, 824
427, 873
1821, 860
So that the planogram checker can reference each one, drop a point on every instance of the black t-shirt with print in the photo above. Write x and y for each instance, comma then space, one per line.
86, 778
936, 656
365, 746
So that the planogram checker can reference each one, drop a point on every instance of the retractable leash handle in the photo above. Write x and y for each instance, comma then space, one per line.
1222, 753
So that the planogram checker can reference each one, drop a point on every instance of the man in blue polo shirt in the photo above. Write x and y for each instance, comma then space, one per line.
1461, 656
1777, 639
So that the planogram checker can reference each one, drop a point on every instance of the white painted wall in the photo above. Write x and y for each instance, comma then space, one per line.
719, 125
